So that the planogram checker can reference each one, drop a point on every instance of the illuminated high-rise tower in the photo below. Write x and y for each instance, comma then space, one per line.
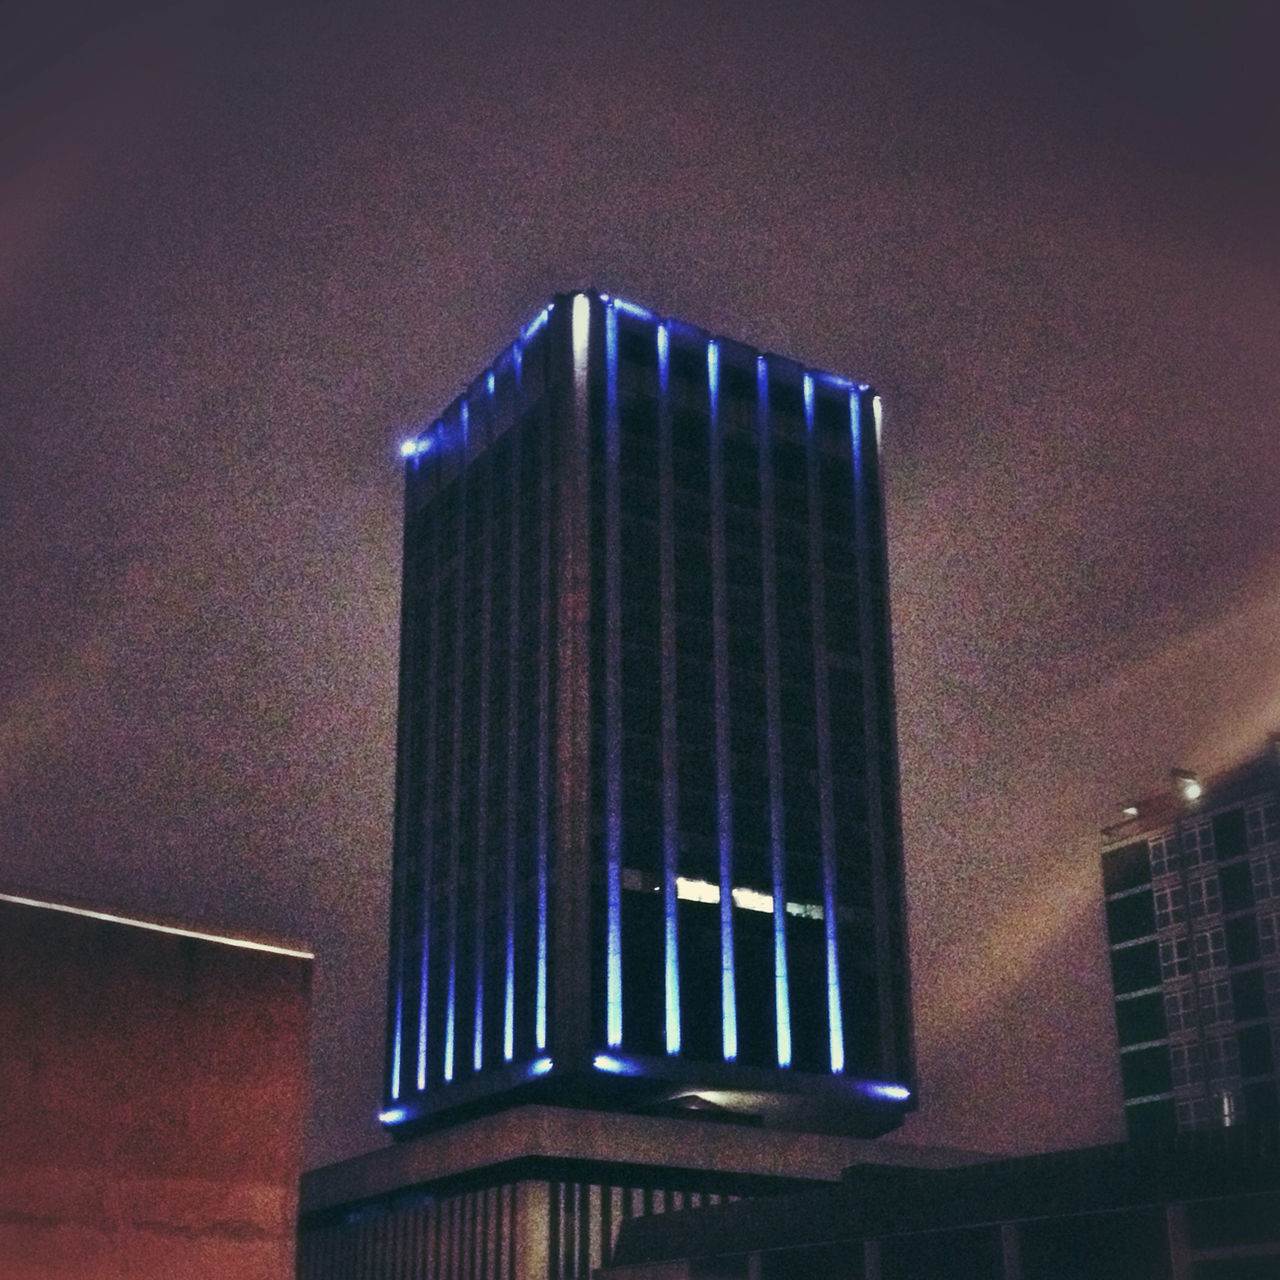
647, 846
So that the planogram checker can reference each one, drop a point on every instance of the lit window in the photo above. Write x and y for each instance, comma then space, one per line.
1175, 959
1169, 906
1262, 823
1204, 895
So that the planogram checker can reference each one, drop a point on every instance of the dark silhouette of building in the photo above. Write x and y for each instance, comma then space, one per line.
647, 844
1192, 883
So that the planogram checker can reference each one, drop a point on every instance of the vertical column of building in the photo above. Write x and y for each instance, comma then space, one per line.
543, 839
670, 741
822, 704
572, 980
482, 851
514, 623
720, 665
612, 687
873, 624
455, 781
773, 711
427, 853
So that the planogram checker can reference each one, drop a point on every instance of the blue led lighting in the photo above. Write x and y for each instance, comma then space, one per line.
808, 400
395, 1050
394, 1115
535, 324
671, 841
615, 1066
491, 382
630, 308
724, 791
613, 683
540, 1066
890, 1092
416, 447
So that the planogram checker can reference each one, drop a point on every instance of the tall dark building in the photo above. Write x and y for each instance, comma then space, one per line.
647, 845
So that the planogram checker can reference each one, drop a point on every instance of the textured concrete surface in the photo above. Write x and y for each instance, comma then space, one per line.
152, 1094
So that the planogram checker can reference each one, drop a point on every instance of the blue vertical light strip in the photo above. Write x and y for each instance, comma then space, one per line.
720, 663
513, 717
455, 790
430, 791
670, 742
612, 686
773, 715
822, 701
544, 718
481, 854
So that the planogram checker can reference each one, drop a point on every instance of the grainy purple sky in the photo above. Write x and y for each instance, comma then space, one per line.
245, 248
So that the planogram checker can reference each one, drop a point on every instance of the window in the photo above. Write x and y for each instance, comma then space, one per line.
1242, 941
1211, 949
1215, 1001
1269, 935
1262, 823
1256, 1058
1180, 1010
1188, 1068
1237, 888
1248, 995
1169, 903
1193, 1113
1163, 855
1129, 917
1145, 1072
1202, 892
1140, 1020
1125, 868
1175, 959
1135, 968
1222, 1057
1229, 835
1266, 876
1197, 843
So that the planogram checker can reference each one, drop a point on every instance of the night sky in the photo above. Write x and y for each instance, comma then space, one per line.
245, 250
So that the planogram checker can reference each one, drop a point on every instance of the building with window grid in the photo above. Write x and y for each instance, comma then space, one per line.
647, 841
1192, 884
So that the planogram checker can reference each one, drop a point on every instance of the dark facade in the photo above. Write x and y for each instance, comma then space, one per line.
647, 844
1192, 888
1187, 1210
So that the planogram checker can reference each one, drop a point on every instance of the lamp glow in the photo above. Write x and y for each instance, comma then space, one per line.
614, 1066
889, 1092
394, 1115
540, 1066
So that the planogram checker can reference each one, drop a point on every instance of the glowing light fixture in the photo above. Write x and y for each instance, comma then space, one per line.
1129, 810
535, 324
540, 1066
416, 447
889, 1092
1188, 785
614, 1066
395, 1115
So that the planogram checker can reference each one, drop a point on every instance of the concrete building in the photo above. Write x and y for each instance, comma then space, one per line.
648, 945
153, 1086
1192, 884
